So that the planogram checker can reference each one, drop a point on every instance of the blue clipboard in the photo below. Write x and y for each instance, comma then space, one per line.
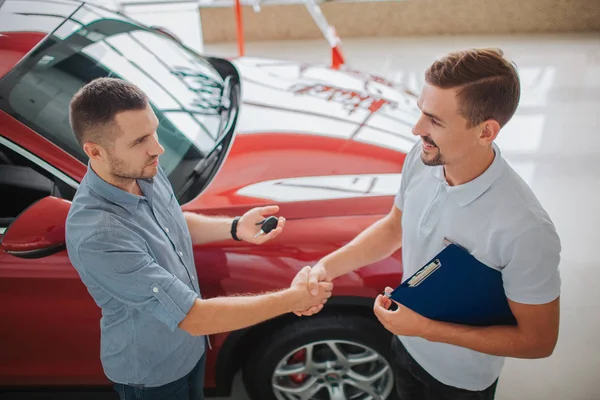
456, 287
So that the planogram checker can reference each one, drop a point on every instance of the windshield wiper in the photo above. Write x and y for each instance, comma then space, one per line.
197, 171
210, 158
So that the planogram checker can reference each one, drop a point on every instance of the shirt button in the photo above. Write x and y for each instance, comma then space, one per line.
181, 253
167, 230
193, 278
155, 290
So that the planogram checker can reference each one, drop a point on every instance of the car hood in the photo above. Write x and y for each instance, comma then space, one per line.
314, 140
349, 105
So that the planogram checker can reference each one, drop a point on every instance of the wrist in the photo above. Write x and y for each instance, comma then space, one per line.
290, 298
326, 265
428, 329
234, 229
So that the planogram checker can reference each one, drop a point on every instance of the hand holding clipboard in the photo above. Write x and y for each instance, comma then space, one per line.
456, 287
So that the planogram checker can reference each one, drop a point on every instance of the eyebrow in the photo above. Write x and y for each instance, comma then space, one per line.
139, 138
431, 115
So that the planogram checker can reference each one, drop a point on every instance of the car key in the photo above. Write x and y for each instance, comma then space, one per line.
267, 226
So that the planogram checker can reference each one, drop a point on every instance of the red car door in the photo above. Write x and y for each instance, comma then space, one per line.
50, 325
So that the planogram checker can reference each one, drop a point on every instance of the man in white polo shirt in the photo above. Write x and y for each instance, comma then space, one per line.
456, 185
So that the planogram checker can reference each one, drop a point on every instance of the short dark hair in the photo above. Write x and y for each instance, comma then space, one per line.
488, 84
94, 107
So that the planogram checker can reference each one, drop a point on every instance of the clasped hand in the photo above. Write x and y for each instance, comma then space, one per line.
305, 299
317, 275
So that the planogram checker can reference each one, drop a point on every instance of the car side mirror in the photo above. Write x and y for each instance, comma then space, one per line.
39, 231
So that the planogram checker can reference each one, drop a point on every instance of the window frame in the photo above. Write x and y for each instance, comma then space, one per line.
44, 165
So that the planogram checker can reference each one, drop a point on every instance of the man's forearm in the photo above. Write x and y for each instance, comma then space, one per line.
504, 341
375, 243
224, 314
205, 229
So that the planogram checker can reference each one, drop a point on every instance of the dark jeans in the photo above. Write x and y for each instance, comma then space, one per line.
414, 383
190, 387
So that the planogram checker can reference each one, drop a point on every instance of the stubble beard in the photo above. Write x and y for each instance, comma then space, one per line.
432, 161
120, 171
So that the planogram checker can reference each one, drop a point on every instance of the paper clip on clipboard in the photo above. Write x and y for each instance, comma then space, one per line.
427, 270
421, 275
424, 273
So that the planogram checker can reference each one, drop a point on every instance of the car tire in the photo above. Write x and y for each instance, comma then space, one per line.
303, 353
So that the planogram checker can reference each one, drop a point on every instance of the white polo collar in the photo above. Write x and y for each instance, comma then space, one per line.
468, 192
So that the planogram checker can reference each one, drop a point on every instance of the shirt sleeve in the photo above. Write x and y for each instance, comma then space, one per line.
406, 168
119, 263
531, 275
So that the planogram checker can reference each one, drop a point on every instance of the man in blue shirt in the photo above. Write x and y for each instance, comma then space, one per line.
132, 246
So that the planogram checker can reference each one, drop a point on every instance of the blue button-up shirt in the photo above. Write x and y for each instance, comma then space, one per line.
134, 254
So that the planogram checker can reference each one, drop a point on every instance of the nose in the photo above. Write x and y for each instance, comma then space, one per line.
157, 148
419, 128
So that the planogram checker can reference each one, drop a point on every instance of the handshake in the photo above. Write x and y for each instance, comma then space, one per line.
310, 290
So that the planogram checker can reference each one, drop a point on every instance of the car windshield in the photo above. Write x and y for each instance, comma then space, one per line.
88, 42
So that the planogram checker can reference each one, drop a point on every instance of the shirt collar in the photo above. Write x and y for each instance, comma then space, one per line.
147, 188
468, 192
128, 201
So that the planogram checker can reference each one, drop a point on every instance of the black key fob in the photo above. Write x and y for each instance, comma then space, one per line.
269, 224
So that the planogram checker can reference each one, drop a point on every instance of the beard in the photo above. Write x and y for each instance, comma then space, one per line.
123, 171
430, 159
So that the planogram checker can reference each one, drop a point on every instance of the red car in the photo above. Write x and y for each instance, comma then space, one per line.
326, 145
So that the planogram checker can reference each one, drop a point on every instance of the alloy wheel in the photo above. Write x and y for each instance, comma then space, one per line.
333, 370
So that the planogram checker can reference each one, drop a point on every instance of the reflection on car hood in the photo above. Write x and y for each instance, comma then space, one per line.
284, 96
311, 134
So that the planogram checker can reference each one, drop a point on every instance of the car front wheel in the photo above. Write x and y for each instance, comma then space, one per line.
329, 357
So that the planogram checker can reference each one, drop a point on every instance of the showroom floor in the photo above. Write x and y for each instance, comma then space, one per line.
553, 142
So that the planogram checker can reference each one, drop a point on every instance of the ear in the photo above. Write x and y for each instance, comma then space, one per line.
94, 151
489, 131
